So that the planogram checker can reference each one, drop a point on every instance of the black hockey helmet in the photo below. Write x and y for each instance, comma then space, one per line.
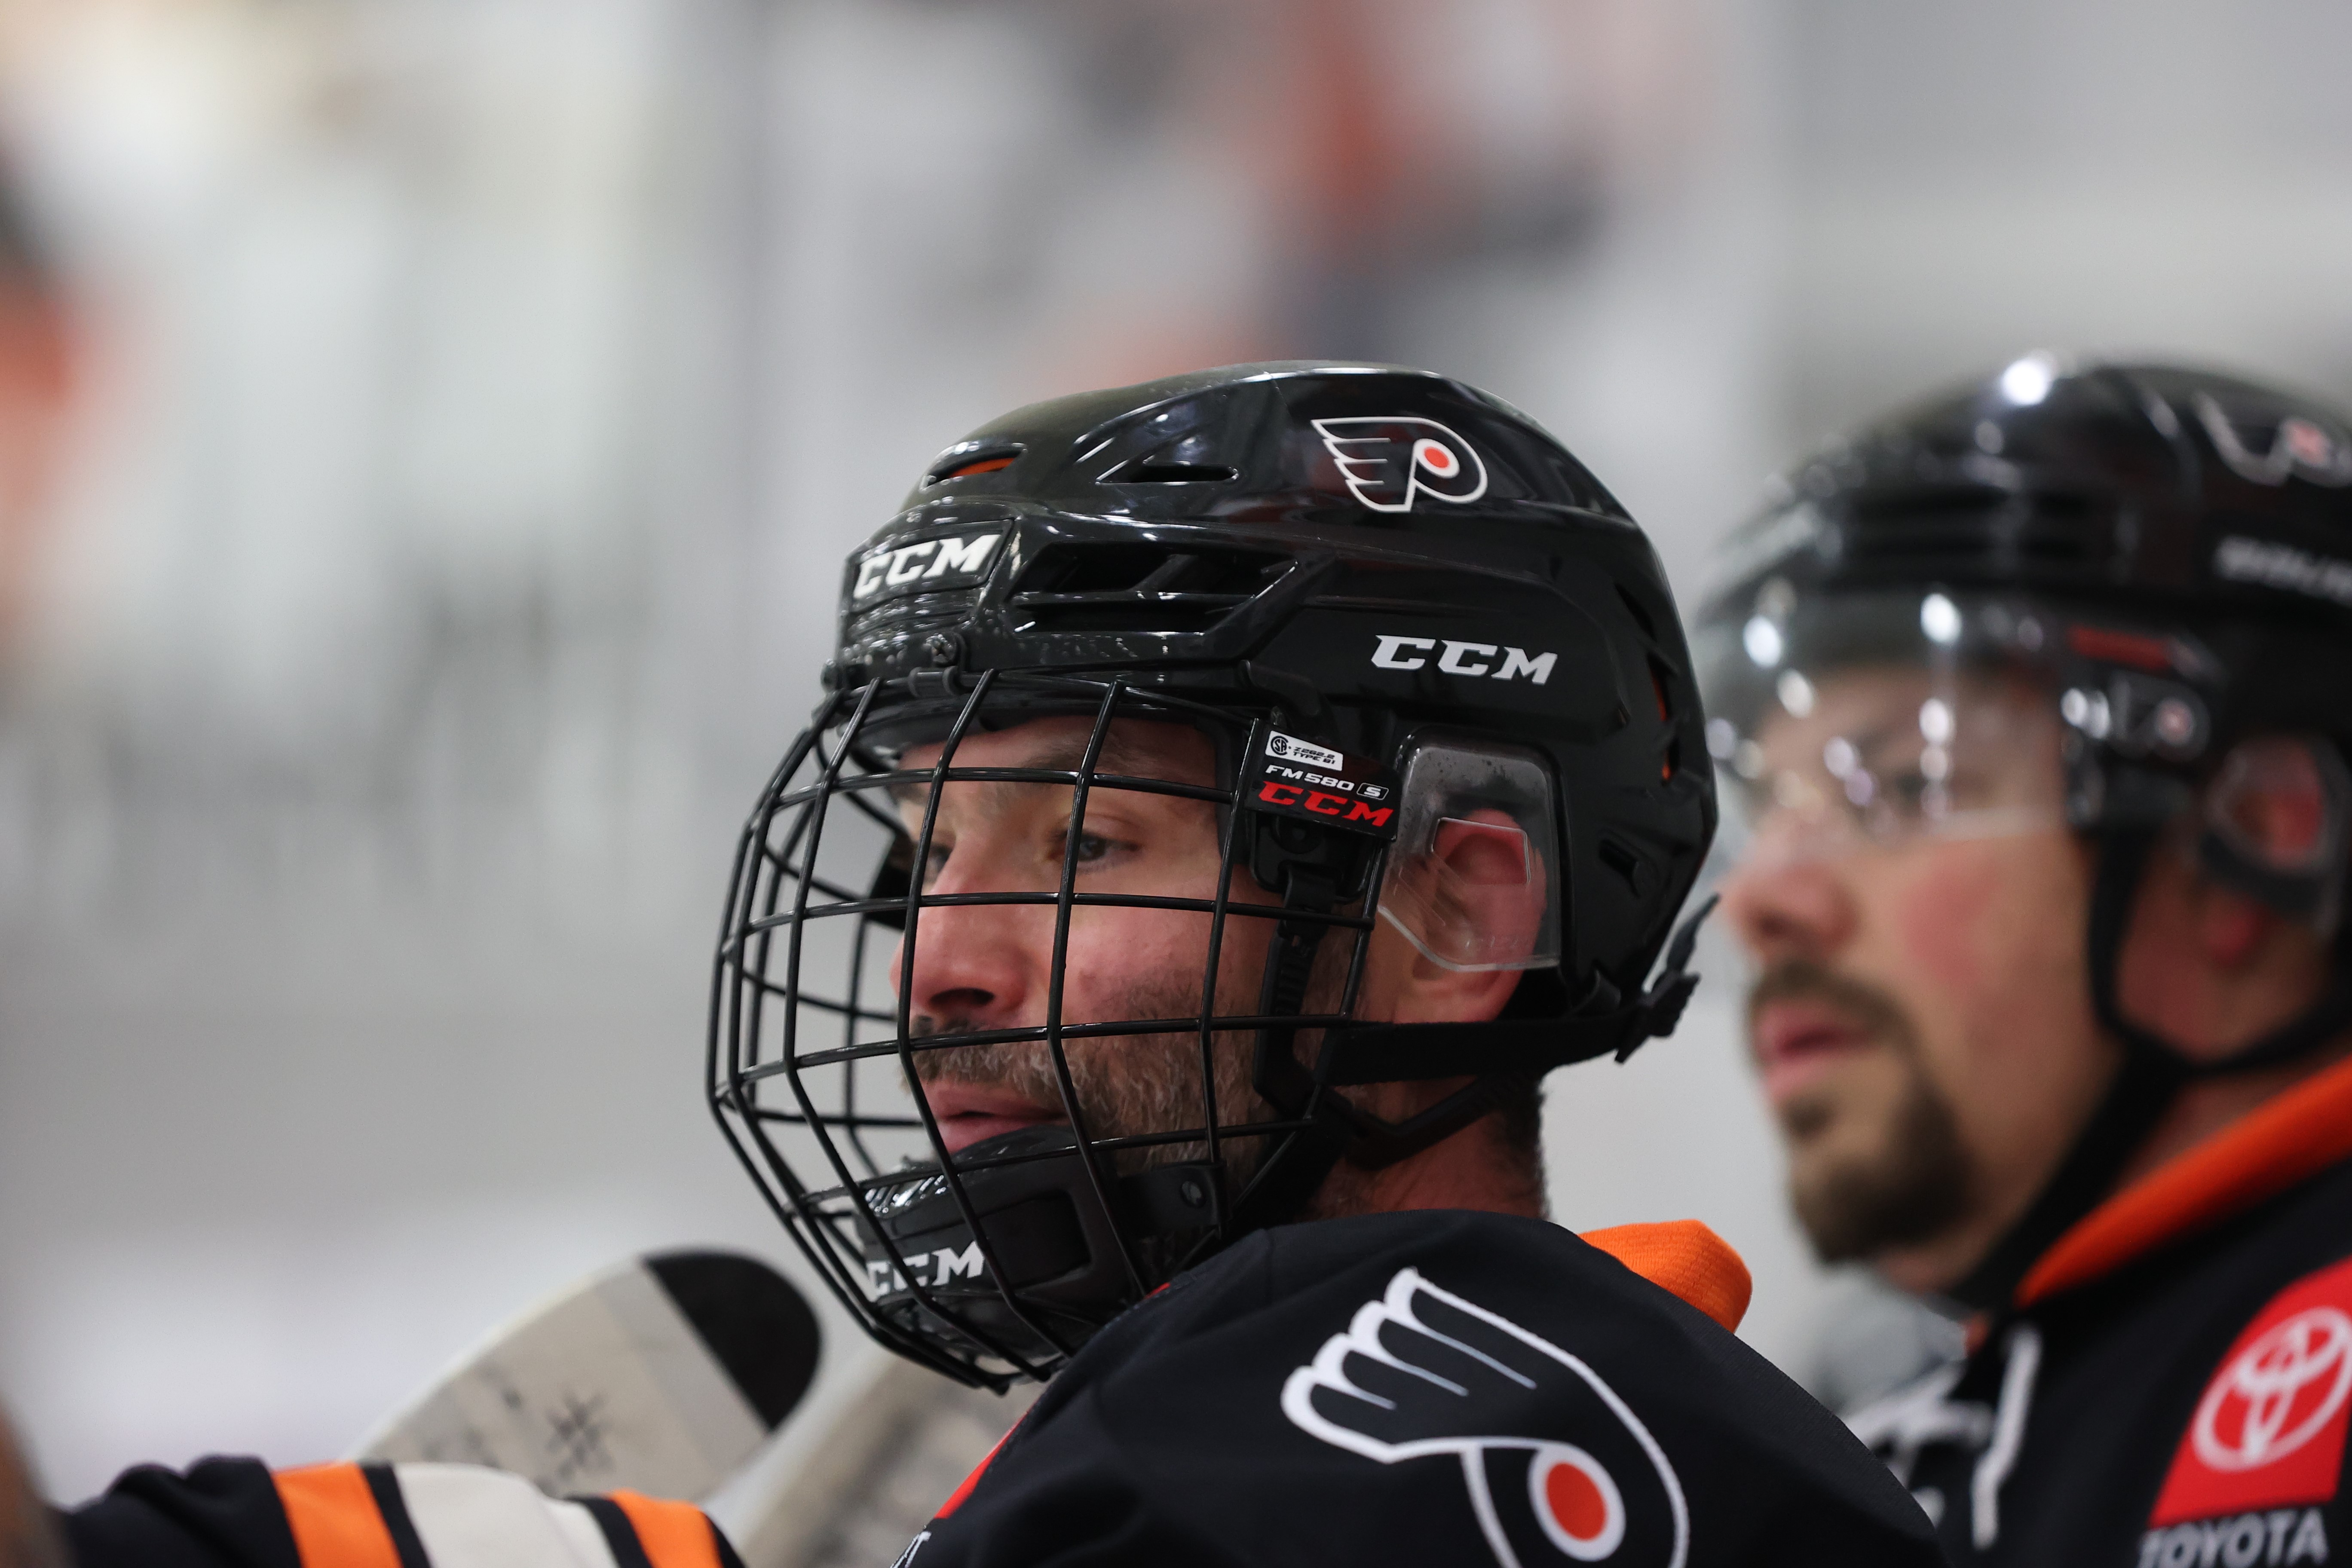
1387, 599
2164, 557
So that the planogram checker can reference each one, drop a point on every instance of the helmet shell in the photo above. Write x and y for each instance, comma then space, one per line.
1369, 588
1364, 549
2199, 515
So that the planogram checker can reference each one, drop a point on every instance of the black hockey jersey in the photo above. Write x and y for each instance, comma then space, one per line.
2171, 1386
238, 1513
1420, 1388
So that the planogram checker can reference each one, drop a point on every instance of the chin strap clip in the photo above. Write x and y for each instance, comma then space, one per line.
1660, 1007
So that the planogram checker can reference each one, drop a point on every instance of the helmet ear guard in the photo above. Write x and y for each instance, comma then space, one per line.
2272, 824
1459, 858
2277, 820
1473, 881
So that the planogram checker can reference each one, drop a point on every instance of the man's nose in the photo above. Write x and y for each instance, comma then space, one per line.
971, 962
1785, 905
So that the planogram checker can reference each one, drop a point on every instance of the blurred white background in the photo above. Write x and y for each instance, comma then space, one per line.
429, 430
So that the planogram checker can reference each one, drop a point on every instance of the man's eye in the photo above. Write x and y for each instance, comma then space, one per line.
1091, 850
936, 862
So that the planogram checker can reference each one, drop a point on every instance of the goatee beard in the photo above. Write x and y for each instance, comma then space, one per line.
1915, 1184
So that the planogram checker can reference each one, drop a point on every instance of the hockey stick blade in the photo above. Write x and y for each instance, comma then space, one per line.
662, 1376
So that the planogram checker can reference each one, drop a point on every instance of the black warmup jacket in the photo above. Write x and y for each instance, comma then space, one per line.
2171, 1387
1423, 1389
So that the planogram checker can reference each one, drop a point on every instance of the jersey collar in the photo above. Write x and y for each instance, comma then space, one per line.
2292, 1136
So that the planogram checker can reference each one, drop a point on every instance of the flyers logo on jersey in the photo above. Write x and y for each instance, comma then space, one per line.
1557, 1466
1389, 460
2269, 1431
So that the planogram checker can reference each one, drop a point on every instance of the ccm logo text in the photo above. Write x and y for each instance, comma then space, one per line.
1274, 792
966, 557
1463, 658
946, 1265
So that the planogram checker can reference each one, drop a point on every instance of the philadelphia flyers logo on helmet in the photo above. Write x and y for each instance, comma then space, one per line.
1388, 460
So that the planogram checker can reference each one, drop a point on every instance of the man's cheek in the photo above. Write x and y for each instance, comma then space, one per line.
1850, 1108
1114, 953
1943, 916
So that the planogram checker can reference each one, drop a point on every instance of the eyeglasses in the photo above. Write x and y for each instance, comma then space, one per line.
1879, 757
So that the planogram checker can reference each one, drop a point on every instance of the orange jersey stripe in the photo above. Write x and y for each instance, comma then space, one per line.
674, 1534
334, 1517
2298, 1134
1685, 1257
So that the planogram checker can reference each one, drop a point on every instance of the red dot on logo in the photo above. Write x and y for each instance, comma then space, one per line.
1576, 1502
1434, 457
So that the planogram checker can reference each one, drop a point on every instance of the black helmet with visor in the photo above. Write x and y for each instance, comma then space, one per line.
1395, 616
2113, 597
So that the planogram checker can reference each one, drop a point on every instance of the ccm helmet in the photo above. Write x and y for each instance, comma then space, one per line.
1395, 608
2147, 567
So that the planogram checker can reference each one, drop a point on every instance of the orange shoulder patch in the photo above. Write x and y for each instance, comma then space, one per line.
1683, 1257
334, 1517
674, 1534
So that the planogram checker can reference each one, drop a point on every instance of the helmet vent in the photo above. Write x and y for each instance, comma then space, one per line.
1641, 616
1176, 474
1661, 683
1628, 865
965, 464
1138, 588
2049, 526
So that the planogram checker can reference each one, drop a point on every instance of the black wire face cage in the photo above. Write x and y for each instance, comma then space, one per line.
996, 1264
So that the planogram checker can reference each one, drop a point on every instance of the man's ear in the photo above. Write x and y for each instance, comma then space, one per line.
2231, 937
1468, 912
2277, 823
2273, 845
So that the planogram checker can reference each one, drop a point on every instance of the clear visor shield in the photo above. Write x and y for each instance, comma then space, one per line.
1471, 881
1847, 721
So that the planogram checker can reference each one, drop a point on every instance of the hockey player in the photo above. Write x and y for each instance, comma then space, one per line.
2037, 697
1229, 797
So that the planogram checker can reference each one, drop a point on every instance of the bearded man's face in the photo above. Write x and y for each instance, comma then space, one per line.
1919, 1021
992, 965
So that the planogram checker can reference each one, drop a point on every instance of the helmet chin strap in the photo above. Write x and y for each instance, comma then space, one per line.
2153, 1073
1295, 1169
1491, 1052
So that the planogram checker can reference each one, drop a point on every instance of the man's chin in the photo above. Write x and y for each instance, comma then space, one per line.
1809, 1122
1856, 1208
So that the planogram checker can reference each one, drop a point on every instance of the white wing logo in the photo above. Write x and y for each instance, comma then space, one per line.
1433, 1407
1388, 460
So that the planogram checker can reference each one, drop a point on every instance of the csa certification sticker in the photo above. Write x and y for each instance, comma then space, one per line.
1293, 777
